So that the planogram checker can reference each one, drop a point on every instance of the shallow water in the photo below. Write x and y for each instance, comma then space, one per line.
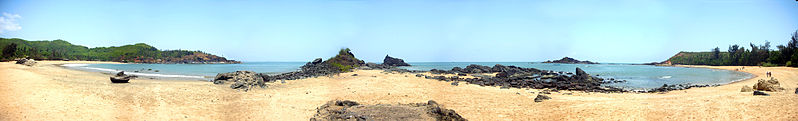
637, 76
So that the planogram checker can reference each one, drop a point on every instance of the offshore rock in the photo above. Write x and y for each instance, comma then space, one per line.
391, 61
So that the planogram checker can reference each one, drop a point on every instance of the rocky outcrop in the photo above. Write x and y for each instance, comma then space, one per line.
27, 62
390, 61
339, 110
121, 77
768, 85
568, 60
345, 60
241, 80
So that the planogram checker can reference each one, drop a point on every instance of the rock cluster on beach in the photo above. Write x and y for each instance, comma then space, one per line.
27, 62
568, 60
340, 110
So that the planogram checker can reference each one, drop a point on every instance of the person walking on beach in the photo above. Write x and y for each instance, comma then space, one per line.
768, 74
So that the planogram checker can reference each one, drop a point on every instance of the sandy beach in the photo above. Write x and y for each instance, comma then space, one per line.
49, 92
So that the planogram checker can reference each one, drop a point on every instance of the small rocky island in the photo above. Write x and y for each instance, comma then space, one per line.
568, 60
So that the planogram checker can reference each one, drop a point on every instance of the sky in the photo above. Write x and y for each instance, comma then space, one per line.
614, 31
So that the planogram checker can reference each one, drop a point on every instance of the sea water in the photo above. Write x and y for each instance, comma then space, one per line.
636, 76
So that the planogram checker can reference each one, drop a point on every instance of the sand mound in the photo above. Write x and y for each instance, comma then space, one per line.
349, 110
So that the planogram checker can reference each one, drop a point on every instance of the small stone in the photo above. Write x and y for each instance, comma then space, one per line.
354, 74
746, 88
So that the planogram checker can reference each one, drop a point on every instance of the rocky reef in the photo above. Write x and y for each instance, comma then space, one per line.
518, 77
568, 60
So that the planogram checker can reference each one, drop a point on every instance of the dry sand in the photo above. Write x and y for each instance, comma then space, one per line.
49, 92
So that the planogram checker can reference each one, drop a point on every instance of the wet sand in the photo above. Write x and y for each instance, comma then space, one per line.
50, 92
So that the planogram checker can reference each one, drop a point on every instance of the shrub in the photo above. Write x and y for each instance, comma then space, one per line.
767, 64
790, 64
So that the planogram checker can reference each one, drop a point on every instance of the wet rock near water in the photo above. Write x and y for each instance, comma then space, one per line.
349, 110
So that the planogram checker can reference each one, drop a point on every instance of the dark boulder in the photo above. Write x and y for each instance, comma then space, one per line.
391, 61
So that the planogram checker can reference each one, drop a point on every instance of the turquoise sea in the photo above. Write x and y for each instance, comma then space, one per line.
637, 76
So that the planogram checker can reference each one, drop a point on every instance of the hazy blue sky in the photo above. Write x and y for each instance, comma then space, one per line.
417, 31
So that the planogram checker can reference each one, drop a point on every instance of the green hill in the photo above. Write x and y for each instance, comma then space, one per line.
138, 53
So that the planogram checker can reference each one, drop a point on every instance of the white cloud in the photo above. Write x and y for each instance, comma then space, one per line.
8, 22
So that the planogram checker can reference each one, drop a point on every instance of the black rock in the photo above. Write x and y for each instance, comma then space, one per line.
316, 61
455, 83
354, 74
540, 98
796, 90
761, 93
393, 61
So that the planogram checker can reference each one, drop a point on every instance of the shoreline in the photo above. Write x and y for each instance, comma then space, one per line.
36, 93
207, 78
